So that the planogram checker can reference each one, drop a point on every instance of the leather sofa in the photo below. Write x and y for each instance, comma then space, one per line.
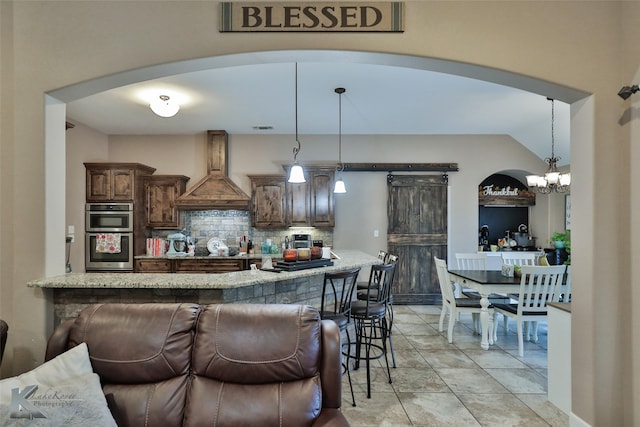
214, 365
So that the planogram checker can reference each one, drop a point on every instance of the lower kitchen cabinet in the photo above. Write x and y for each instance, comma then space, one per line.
189, 265
218, 265
153, 265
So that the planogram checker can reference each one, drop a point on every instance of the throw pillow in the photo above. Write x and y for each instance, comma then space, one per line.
61, 392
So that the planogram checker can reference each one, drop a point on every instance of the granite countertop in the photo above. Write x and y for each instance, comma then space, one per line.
348, 259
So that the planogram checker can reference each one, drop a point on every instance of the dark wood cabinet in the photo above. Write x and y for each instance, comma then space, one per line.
120, 182
321, 181
190, 265
161, 192
211, 265
298, 204
268, 200
161, 265
278, 203
115, 182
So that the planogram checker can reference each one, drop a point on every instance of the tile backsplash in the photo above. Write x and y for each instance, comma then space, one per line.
232, 225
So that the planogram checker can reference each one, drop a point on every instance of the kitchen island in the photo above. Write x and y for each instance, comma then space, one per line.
72, 292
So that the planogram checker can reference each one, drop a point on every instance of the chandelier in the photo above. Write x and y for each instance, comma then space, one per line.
552, 180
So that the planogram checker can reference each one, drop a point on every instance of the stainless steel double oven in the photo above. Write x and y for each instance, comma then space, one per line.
111, 222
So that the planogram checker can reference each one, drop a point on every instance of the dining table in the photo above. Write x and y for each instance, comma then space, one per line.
486, 282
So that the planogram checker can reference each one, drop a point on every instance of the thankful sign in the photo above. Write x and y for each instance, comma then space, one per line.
312, 17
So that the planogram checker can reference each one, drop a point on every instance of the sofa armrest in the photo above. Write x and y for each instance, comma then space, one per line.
58, 341
331, 369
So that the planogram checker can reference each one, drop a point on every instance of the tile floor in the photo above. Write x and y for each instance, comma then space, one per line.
441, 384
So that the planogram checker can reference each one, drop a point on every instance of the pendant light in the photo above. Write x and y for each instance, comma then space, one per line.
553, 180
339, 187
164, 106
296, 175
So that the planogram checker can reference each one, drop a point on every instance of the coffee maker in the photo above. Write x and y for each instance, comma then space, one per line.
483, 238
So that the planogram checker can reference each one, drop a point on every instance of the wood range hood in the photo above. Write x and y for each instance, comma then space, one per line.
216, 190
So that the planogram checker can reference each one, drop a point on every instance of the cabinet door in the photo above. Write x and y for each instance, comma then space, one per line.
268, 198
98, 185
298, 204
153, 266
322, 214
216, 265
122, 184
161, 193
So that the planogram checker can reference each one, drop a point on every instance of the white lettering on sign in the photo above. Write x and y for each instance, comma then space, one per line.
312, 16
507, 191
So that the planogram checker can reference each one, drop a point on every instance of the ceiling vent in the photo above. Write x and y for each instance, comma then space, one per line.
216, 190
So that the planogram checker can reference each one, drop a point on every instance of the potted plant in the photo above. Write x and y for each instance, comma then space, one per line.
563, 241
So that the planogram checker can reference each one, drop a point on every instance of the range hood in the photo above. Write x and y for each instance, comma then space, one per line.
216, 190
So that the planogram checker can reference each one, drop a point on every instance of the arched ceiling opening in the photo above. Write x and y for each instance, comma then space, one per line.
254, 93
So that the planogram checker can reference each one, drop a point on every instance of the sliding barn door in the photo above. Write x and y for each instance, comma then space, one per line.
417, 211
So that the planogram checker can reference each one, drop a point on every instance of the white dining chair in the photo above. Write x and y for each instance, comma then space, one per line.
471, 261
538, 286
453, 305
519, 258
476, 261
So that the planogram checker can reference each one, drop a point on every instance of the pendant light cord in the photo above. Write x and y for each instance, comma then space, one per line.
296, 150
340, 91
553, 141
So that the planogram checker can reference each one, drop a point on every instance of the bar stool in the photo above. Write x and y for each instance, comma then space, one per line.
335, 305
363, 293
371, 321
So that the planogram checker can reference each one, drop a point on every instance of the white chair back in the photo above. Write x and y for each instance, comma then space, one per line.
519, 258
566, 288
446, 288
471, 261
538, 286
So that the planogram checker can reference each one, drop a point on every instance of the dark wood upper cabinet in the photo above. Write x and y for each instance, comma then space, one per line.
268, 201
115, 182
298, 204
321, 197
277, 203
161, 192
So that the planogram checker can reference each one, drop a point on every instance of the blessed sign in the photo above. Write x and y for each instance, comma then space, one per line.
312, 16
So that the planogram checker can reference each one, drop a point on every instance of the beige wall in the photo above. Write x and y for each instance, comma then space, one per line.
591, 46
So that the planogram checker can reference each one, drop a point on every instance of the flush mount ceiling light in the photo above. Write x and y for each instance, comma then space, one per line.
164, 107
340, 187
627, 91
553, 180
296, 175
